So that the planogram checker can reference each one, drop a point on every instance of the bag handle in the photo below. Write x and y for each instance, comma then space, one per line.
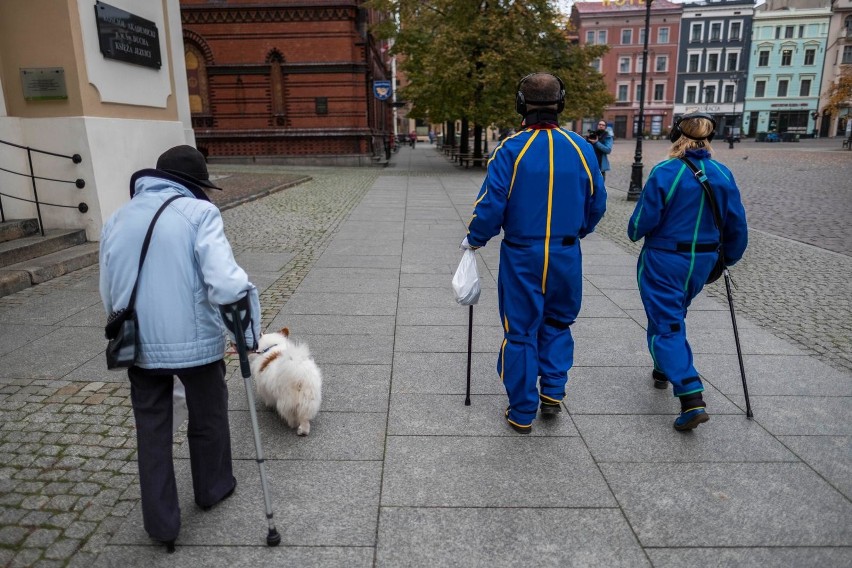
145, 244
711, 197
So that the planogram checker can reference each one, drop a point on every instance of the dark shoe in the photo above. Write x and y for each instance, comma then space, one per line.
661, 381
691, 419
550, 410
170, 546
228, 494
519, 428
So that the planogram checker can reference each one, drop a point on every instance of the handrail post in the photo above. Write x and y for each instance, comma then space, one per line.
35, 192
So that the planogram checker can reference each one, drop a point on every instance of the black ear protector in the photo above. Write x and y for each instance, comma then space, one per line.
676, 132
521, 102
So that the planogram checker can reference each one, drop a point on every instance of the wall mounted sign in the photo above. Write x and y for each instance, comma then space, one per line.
126, 37
44, 84
382, 90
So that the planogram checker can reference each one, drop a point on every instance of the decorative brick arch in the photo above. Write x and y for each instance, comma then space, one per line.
275, 56
190, 36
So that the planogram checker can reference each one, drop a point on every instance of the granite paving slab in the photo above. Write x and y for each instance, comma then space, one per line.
263, 262
355, 436
446, 415
361, 261
356, 348
445, 373
365, 248
54, 355
447, 338
313, 324
800, 415
51, 308
15, 335
484, 538
338, 303
830, 456
629, 390
445, 471
616, 350
322, 503
652, 439
600, 307
752, 342
749, 556
773, 504
453, 315
611, 281
775, 375
213, 556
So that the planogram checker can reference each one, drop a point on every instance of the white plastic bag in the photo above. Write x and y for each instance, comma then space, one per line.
466, 280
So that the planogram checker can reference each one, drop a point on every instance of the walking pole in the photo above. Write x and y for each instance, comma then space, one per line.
737, 340
469, 350
231, 317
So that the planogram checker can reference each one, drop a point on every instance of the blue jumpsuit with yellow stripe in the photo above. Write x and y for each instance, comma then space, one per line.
545, 190
679, 252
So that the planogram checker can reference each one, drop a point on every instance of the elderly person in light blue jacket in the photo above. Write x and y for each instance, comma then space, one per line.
189, 271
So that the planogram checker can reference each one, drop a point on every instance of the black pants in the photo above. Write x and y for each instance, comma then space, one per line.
208, 435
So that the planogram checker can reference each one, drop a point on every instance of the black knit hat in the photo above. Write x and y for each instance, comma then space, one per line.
186, 163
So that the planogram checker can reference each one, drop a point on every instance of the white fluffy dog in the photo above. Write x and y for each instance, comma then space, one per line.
287, 379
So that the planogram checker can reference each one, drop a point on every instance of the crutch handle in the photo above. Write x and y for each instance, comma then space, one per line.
231, 317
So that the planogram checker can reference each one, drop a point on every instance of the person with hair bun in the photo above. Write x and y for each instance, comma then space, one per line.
680, 249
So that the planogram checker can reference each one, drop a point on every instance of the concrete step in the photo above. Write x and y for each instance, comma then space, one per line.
25, 248
33, 271
17, 228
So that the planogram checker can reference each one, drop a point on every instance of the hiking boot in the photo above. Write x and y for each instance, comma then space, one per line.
550, 410
661, 381
519, 428
691, 419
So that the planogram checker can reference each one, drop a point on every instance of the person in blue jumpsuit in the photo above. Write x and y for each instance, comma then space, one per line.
679, 251
545, 191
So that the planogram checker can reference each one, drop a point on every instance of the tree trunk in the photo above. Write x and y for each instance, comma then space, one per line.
464, 146
450, 134
477, 145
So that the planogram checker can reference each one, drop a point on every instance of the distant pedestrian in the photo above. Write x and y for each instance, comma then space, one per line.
431, 136
680, 249
601, 141
189, 271
412, 138
557, 197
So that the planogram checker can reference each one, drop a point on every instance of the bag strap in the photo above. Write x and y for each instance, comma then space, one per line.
145, 244
708, 191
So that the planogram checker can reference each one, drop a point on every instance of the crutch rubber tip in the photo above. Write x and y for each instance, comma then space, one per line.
273, 538
467, 402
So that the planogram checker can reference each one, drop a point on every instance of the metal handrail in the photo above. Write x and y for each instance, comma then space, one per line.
79, 182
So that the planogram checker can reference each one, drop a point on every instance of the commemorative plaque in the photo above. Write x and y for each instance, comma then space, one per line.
44, 84
126, 37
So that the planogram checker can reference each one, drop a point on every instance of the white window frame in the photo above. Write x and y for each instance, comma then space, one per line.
660, 35
792, 51
654, 93
686, 87
590, 37
689, 55
638, 65
618, 89
602, 35
657, 59
637, 90
731, 28
596, 64
810, 86
621, 60
778, 87
642, 36
721, 25
756, 83
718, 54
704, 93
768, 57
805, 56
739, 57
692, 27
629, 33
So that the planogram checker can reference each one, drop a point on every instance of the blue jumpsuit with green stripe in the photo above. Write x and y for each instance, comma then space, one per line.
545, 190
679, 252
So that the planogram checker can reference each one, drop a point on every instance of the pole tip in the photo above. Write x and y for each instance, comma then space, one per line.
273, 538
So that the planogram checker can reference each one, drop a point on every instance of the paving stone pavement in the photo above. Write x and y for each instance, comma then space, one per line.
397, 471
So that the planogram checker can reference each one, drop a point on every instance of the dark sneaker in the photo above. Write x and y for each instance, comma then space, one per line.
519, 428
691, 419
550, 410
661, 381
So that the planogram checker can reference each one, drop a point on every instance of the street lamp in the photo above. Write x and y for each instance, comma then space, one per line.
635, 189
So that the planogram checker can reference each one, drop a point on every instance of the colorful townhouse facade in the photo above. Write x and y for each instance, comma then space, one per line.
838, 57
788, 51
621, 25
713, 60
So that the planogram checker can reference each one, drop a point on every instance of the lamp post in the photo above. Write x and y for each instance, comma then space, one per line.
635, 189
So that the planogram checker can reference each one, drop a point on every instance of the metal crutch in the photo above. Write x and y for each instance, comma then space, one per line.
232, 319
469, 351
737, 340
